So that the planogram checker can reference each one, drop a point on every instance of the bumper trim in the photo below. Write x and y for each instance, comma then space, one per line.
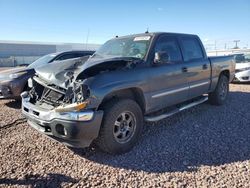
64, 127
79, 134
48, 115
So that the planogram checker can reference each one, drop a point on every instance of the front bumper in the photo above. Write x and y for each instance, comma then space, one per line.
243, 76
10, 89
75, 129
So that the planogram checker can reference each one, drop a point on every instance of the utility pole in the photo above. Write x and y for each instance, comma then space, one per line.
236, 44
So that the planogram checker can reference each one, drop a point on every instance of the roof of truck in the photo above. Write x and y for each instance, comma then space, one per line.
154, 34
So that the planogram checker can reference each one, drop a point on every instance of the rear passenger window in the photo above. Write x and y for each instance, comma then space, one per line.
169, 45
191, 49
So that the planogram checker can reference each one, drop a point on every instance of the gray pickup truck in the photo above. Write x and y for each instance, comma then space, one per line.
106, 99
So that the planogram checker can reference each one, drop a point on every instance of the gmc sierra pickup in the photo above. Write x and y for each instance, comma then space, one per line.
106, 99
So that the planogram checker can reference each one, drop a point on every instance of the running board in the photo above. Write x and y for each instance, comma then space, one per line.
165, 115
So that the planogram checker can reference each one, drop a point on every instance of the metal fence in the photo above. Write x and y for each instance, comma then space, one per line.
17, 61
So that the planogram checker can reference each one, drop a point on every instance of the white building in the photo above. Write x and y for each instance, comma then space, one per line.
14, 53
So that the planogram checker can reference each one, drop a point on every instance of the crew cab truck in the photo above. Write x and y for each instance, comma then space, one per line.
106, 99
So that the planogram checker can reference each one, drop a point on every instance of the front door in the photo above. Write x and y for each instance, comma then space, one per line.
169, 83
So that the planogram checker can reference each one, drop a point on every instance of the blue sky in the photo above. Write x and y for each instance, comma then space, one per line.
71, 21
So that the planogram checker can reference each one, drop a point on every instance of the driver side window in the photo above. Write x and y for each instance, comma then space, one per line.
170, 46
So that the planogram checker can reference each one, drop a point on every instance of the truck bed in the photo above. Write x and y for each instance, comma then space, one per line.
219, 64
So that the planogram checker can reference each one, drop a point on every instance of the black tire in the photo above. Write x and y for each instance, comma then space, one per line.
219, 95
111, 135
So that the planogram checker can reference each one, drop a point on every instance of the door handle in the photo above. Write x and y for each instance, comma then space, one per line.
184, 69
204, 66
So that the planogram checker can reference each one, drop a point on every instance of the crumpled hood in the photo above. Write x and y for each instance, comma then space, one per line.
55, 72
6, 73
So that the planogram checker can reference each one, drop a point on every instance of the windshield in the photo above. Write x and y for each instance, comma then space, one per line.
42, 61
242, 58
247, 57
124, 47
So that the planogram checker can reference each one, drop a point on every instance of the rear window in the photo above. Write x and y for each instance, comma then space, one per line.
191, 48
242, 58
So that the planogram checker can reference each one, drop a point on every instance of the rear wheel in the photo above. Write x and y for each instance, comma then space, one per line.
219, 95
121, 127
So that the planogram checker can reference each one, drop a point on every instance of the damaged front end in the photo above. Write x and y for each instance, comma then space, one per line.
61, 105
61, 111
62, 87
74, 98
58, 89
59, 102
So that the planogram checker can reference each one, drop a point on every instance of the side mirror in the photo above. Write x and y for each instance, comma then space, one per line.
161, 57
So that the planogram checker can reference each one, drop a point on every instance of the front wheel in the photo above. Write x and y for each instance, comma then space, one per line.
219, 95
121, 127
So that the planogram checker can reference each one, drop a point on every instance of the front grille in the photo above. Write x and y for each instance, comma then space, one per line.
245, 78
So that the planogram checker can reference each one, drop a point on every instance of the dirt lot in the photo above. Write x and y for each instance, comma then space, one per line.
207, 146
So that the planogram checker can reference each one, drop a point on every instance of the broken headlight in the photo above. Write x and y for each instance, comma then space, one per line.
78, 92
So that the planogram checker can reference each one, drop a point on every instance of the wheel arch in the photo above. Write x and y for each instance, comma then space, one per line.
135, 94
225, 73
215, 79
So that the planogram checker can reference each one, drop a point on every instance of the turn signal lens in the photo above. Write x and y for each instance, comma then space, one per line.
72, 107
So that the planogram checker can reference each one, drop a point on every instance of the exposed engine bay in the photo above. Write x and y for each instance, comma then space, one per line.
51, 94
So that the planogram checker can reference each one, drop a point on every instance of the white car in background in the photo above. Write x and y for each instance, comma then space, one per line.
242, 69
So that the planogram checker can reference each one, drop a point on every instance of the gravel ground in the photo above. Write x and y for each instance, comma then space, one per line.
206, 146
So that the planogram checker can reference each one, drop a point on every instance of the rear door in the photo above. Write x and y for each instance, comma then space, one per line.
197, 66
168, 81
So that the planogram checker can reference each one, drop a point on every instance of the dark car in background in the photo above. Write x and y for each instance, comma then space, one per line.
15, 80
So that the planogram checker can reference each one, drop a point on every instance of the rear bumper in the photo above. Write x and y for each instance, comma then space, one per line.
64, 127
243, 76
